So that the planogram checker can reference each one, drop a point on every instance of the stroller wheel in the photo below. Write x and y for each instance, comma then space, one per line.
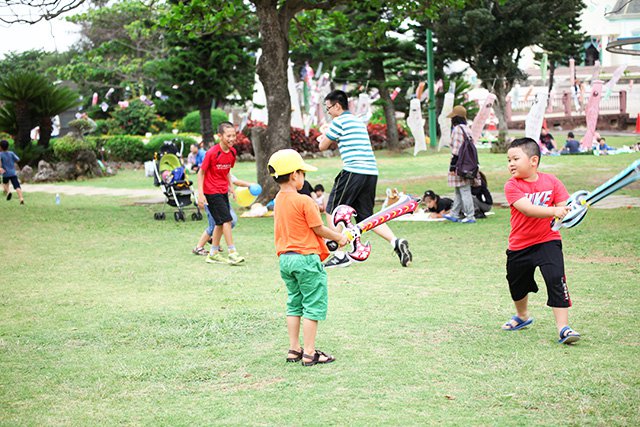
156, 216
181, 216
199, 216
194, 216
176, 216
161, 216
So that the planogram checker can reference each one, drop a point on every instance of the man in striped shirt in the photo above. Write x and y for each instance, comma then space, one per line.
356, 183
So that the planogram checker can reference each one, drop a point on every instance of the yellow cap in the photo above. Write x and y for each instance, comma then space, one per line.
287, 161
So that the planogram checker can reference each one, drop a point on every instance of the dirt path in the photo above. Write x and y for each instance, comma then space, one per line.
155, 196
150, 195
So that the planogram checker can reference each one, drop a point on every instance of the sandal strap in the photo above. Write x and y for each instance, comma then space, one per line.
296, 353
566, 331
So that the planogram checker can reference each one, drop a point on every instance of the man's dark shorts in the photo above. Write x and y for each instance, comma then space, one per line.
355, 190
219, 208
14, 181
522, 264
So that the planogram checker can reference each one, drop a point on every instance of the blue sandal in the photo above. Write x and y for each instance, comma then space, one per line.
568, 336
519, 324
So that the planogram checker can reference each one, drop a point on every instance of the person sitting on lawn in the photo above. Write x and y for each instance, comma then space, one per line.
436, 205
603, 148
299, 235
535, 198
572, 146
319, 197
482, 200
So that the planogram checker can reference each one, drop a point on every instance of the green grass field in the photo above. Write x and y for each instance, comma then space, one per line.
106, 318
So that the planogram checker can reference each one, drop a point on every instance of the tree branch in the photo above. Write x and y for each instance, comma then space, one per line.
33, 11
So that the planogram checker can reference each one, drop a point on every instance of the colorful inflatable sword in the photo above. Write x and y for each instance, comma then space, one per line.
343, 213
581, 200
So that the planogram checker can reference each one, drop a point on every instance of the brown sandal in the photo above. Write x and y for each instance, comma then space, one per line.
297, 354
315, 359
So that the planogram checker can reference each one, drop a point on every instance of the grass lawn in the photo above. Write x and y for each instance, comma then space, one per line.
107, 318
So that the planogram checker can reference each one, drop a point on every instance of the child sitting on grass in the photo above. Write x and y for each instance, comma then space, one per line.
299, 237
535, 198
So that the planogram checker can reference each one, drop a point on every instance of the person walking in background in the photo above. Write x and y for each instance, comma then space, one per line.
213, 185
462, 210
8, 161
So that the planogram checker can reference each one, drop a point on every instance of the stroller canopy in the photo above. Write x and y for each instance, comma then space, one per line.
169, 162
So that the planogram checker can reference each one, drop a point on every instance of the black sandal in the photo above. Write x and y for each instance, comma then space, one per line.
315, 359
297, 354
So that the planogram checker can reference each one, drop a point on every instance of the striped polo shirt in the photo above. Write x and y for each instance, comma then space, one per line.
354, 144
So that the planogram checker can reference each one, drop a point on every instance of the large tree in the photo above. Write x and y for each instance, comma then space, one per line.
490, 36
564, 38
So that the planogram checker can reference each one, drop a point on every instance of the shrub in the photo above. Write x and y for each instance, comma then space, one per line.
191, 122
67, 147
378, 135
102, 127
126, 148
300, 142
243, 144
136, 119
156, 142
32, 154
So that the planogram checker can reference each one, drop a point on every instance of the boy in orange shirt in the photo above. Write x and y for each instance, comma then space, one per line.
299, 237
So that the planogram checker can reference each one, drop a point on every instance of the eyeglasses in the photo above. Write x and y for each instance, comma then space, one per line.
329, 107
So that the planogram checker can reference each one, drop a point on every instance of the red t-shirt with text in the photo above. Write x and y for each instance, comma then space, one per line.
216, 167
525, 230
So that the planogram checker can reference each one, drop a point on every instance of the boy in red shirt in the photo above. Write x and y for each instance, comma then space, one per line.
213, 187
299, 236
534, 198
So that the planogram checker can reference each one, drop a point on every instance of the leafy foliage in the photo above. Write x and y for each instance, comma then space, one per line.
136, 119
191, 122
125, 148
66, 148
157, 141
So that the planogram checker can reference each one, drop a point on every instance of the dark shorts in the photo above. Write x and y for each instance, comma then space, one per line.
14, 181
219, 208
355, 190
522, 264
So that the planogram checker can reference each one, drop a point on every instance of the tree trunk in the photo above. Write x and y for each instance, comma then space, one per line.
272, 70
204, 106
500, 146
46, 127
23, 119
393, 141
552, 70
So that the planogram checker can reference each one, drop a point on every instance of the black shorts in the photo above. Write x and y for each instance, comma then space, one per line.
219, 208
522, 264
14, 181
355, 190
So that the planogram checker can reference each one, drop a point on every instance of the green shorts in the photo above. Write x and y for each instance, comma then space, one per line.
306, 282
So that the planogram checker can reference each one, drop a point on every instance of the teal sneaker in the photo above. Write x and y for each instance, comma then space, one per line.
217, 258
235, 258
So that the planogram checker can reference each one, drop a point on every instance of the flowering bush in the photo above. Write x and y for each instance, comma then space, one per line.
378, 135
243, 144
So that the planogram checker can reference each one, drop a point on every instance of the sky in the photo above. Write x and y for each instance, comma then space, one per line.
55, 35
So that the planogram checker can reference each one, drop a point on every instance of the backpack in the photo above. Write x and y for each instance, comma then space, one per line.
467, 164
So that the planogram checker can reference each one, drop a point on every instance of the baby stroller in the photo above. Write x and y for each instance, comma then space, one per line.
171, 176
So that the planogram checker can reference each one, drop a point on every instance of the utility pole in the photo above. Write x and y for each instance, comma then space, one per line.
431, 106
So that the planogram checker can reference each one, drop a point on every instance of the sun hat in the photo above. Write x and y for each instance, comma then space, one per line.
283, 162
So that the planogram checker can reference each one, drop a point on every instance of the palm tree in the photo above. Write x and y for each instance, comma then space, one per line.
22, 89
54, 100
